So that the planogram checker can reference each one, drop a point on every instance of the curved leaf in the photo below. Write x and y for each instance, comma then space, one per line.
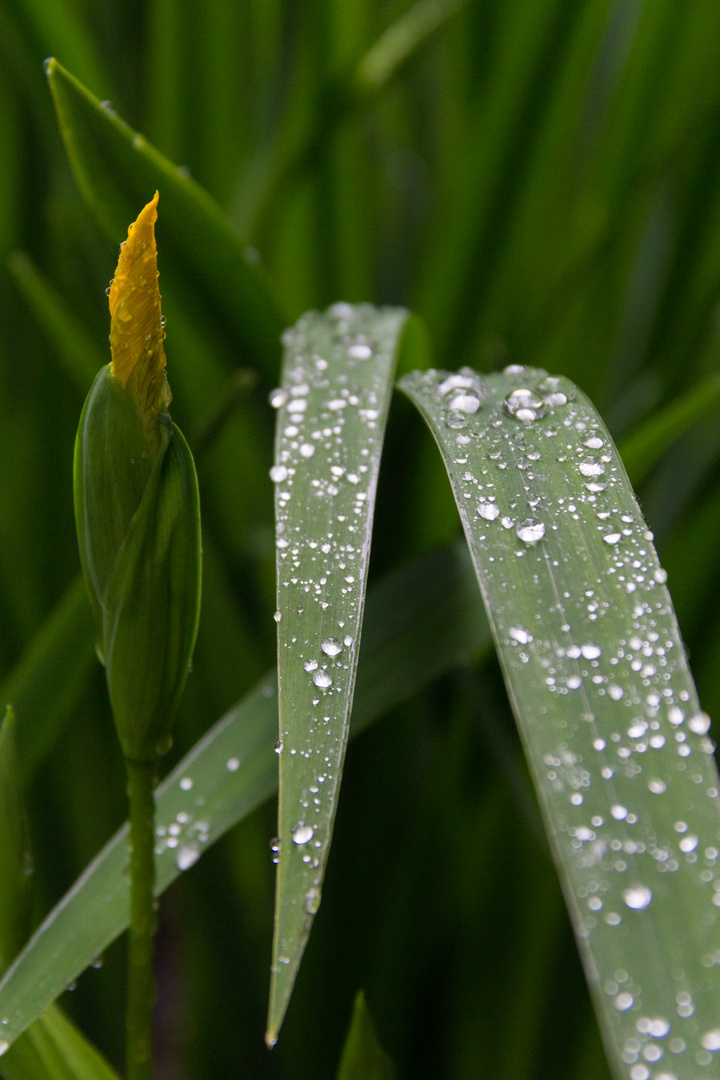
606, 706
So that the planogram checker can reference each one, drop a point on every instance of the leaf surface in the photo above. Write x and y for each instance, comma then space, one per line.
608, 713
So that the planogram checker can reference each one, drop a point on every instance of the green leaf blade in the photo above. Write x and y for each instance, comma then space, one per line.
336, 387
232, 770
363, 1057
606, 705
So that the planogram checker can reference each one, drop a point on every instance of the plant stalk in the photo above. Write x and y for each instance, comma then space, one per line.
141, 987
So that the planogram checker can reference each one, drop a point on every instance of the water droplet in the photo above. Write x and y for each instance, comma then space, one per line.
332, 647
657, 786
312, 900
699, 723
688, 844
530, 531
455, 419
361, 350
516, 633
186, 783
594, 443
311, 665
619, 813
637, 897
278, 473
307, 450
302, 834
456, 382
277, 616
322, 679
278, 746
524, 405
467, 401
297, 406
591, 468
233, 764
711, 1040
4, 1046
591, 652
187, 856
612, 538
488, 510
277, 398
624, 1001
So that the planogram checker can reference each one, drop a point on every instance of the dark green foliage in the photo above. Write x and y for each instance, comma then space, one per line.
539, 182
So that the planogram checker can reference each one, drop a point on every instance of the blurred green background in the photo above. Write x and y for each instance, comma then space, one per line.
539, 181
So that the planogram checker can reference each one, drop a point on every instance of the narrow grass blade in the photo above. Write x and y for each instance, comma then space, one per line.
427, 614
16, 863
363, 1058
606, 705
53, 1049
649, 442
115, 168
45, 684
336, 386
76, 350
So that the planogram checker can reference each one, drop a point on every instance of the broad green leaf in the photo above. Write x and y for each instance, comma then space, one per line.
607, 709
363, 1058
332, 409
117, 170
421, 621
53, 1049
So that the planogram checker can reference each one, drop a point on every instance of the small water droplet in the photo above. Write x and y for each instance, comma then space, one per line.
311, 665
488, 510
278, 473
455, 419
591, 652
187, 856
277, 616
517, 633
612, 538
332, 647
360, 350
233, 764
307, 450
312, 900
302, 834
530, 531
278, 746
277, 398
699, 723
637, 897
186, 783
4, 1046
322, 679
524, 405
711, 1040
657, 786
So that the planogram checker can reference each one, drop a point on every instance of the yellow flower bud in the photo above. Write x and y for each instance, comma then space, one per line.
136, 323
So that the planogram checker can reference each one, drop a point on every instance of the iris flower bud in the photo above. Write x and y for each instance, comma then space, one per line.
137, 510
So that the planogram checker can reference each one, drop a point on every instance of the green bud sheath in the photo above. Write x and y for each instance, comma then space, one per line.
138, 520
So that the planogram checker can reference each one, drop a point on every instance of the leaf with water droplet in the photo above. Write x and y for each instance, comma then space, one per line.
340, 365
607, 710
420, 622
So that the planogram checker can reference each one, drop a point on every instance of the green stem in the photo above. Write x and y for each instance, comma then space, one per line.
141, 987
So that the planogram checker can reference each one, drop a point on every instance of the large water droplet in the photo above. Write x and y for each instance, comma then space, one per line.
467, 401
530, 531
488, 510
322, 679
332, 647
591, 468
302, 834
711, 1040
637, 897
278, 473
699, 723
524, 405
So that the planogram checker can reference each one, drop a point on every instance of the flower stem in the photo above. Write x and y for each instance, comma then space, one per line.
141, 987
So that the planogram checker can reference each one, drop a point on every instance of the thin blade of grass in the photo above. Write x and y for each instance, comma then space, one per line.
363, 1057
54, 1049
333, 403
606, 706
117, 170
426, 614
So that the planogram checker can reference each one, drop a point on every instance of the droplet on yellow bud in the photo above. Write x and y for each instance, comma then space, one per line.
136, 328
